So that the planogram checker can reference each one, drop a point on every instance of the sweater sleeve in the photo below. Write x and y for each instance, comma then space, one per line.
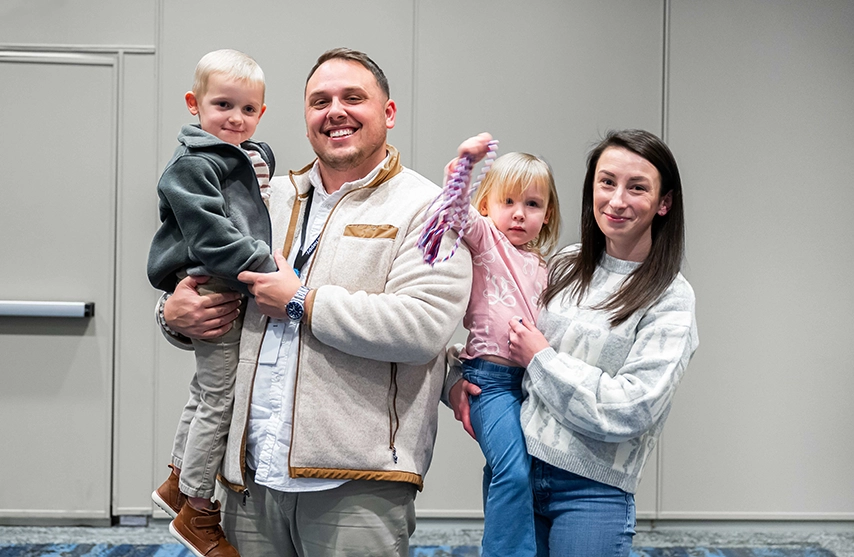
412, 320
624, 406
190, 188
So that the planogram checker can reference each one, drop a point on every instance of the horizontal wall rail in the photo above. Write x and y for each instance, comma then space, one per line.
11, 308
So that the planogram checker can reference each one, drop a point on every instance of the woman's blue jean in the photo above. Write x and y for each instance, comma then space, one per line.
579, 517
507, 495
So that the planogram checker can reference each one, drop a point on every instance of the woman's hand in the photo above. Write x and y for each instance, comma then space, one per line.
525, 341
201, 317
458, 398
273, 291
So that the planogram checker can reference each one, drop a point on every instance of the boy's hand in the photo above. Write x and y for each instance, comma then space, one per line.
273, 291
202, 317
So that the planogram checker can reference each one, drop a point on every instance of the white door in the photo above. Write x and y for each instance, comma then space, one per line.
57, 224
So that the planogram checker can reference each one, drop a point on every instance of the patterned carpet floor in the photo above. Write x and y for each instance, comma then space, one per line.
177, 550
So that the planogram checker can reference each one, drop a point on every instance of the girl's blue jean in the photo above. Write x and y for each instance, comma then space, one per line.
507, 495
576, 516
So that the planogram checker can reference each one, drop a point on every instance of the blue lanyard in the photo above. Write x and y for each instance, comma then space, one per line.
303, 256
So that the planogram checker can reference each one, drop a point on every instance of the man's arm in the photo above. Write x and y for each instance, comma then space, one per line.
411, 321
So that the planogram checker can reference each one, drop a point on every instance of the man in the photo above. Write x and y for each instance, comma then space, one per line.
336, 394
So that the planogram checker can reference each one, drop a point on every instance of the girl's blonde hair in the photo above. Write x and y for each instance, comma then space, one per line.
232, 63
514, 173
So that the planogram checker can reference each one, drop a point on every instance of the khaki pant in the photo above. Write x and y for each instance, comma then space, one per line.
360, 517
203, 428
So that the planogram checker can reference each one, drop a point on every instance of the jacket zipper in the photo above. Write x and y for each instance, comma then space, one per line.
393, 418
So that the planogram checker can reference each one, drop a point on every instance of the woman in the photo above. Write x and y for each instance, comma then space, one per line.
614, 337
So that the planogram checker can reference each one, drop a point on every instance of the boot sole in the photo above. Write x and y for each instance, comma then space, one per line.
162, 504
177, 535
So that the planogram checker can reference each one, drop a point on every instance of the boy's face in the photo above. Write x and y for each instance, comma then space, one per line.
230, 109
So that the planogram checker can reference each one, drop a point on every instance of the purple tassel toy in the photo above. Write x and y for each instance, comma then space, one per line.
453, 206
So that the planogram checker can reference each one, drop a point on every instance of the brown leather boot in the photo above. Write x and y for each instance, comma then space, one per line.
168, 497
200, 532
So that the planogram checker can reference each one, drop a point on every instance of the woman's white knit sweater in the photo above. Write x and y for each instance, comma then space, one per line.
598, 397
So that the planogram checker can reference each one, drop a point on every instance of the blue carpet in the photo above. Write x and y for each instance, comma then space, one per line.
177, 550
804, 551
94, 550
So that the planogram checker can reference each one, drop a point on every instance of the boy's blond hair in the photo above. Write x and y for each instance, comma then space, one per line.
514, 173
233, 64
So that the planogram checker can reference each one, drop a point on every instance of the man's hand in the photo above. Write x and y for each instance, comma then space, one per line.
201, 317
458, 398
273, 291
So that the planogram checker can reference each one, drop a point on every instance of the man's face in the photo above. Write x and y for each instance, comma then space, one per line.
347, 116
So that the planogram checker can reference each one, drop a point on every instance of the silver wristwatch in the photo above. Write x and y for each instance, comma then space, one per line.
296, 307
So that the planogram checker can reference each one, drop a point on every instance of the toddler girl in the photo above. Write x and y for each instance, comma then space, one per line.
513, 225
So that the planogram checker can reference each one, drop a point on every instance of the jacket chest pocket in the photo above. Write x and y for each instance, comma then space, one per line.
363, 257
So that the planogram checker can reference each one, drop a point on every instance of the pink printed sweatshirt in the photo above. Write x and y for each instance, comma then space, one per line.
506, 284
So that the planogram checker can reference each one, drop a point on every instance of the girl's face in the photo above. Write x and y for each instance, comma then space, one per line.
626, 198
518, 215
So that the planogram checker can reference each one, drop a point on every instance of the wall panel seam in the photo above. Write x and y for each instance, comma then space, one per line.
414, 85
86, 48
665, 71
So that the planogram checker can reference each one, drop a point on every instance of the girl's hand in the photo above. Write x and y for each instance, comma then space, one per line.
525, 341
476, 147
458, 398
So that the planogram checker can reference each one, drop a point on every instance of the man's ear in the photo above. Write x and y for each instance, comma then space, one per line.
390, 113
192, 103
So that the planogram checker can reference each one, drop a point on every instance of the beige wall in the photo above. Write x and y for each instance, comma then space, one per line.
753, 97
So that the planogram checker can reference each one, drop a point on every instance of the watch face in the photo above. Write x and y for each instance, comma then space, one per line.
294, 310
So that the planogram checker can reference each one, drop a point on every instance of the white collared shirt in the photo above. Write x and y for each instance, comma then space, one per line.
268, 438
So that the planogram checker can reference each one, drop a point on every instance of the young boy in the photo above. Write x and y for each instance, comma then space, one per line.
215, 223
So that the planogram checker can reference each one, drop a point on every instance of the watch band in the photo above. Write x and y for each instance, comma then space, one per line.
296, 307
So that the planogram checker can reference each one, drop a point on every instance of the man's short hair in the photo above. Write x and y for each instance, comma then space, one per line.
231, 63
351, 55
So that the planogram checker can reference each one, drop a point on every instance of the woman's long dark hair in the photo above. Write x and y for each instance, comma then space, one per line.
574, 271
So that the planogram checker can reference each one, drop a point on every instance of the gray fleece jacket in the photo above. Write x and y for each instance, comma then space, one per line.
214, 221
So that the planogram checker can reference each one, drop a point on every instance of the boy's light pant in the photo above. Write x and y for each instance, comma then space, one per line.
203, 428
360, 517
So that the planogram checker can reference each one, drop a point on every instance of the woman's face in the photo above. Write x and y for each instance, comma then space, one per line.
626, 197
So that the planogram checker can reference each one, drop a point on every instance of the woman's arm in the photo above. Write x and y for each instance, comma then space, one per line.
613, 408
